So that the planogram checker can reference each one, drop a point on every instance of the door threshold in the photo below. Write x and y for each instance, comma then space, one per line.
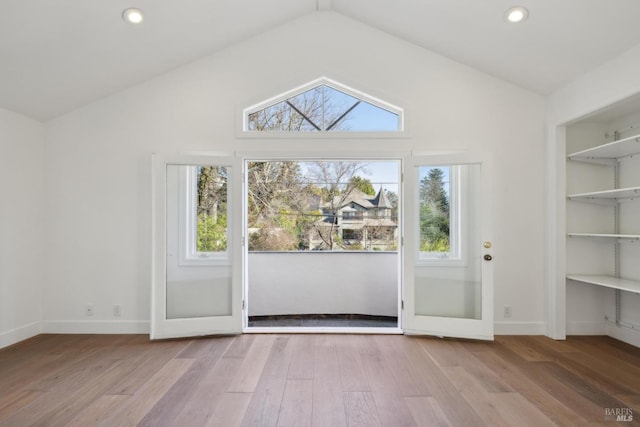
321, 330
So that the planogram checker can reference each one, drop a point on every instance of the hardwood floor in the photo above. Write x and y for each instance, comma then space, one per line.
318, 380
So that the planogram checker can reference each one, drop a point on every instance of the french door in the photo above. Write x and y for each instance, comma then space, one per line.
198, 265
196, 250
448, 267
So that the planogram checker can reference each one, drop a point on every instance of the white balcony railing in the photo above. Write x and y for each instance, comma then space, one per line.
283, 283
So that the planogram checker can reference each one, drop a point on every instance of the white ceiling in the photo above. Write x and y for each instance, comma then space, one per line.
56, 56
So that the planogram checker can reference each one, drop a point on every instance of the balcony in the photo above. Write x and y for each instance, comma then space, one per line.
294, 285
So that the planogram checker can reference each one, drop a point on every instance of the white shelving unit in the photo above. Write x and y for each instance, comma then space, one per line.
607, 196
609, 154
607, 282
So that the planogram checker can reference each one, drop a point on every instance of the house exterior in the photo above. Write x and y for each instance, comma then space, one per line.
356, 221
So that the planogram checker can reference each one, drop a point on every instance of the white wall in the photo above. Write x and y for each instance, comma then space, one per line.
602, 87
22, 216
613, 81
98, 157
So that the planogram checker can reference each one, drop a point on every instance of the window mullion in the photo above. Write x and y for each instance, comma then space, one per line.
304, 116
343, 115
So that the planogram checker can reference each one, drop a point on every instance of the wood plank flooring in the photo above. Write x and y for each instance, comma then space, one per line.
318, 380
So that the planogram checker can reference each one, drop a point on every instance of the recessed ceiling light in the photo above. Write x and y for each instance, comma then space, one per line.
132, 15
516, 14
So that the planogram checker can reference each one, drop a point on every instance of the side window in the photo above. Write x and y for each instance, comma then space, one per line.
438, 201
204, 233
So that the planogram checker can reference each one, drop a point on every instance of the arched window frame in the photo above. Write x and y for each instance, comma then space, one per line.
377, 102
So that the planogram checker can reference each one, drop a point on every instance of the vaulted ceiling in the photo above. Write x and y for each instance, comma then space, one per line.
56, 56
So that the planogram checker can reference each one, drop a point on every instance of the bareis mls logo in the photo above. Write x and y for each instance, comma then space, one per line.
618, 414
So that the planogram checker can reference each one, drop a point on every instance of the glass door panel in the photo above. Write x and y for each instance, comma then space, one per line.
448, 268
199, 275
196, 289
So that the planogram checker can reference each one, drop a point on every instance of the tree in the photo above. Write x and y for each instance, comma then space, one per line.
292, 203
212, 235
434, 213
212, 190
276, 194
364, 185
432, 190
380, 235
313, 110
337, 180
211, 209
273, 186
269, 238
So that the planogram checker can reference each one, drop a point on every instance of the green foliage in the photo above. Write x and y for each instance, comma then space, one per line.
212, 234
212, 190
303, 225
362, 184
268, 238
432, 190
439, 245
354, 247
393, 199
286, 219
434, 213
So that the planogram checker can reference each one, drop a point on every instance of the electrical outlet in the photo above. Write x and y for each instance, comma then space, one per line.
507, 311
90, 310
117, 310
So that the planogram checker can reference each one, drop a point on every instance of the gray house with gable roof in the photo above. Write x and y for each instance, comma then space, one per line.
356, 221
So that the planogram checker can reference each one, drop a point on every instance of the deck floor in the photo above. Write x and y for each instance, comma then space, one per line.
323, 321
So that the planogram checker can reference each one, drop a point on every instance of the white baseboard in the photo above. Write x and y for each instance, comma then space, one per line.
19, 334
16, 335
143, 327
587, 328
519, 328
95, 327
628, 335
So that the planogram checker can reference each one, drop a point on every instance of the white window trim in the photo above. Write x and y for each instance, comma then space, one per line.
245, 133
188, 225
458, 254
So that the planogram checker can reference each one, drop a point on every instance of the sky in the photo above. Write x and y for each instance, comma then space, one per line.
386, 173
383, 173
359, 115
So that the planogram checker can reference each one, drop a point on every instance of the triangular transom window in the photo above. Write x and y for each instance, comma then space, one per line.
323, 106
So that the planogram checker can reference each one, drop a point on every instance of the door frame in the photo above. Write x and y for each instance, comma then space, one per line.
301, 154
483, 328
161, 327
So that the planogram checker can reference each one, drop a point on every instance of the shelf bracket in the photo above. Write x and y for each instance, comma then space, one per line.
618, 307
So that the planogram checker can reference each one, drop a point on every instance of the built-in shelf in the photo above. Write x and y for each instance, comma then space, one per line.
606, 236
607, 281
607, 153
608, 195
